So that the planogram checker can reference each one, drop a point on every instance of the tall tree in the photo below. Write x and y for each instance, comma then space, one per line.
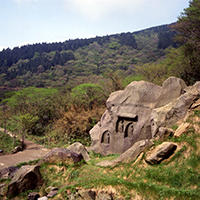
188, 28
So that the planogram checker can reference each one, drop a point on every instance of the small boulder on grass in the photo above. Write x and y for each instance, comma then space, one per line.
78, 148
61, 155
51, 191
161, 152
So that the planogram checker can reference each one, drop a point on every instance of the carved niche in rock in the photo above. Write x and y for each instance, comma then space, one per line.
105, 139
125, 126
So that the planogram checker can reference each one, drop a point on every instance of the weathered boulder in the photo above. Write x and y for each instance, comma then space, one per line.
27, 178
51, 191
130, 155
78, 148
61, 155
8, 172
139, 111
161, 152
164, 133
50, 188
183, 128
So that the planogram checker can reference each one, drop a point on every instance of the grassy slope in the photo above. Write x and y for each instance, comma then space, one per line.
177, 178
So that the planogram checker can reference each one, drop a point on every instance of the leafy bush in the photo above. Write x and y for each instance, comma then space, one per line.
87, 94
7, 143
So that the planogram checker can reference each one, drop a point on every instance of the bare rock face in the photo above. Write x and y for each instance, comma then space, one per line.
172, 88
169, 114
78, 148
61, 155
137, 112
161, 152
27, 178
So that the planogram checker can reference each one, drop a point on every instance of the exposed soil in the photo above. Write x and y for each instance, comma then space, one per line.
32, 151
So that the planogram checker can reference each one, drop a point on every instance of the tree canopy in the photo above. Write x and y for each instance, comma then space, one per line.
58, 64
188, 34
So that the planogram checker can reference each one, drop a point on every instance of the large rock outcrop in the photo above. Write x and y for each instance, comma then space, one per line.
137, 112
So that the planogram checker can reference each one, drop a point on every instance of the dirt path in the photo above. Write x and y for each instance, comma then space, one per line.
33, 151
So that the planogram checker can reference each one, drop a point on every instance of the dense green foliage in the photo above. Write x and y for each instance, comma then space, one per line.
31, 109
52, 114
73, 62
184, 61
188, 28
88, 94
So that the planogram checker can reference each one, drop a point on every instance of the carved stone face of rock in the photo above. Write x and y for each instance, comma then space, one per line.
137, 112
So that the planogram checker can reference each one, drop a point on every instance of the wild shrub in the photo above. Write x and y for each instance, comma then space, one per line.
7, 143
74, 125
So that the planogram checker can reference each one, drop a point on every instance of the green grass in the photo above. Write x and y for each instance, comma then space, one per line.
31, 162
197, 113
180, 179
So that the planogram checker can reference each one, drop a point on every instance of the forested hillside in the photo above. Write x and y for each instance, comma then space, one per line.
82, 60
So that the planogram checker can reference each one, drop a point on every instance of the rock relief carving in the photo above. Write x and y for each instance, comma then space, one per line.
120, 126
125, 126
129, 130
106, 137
